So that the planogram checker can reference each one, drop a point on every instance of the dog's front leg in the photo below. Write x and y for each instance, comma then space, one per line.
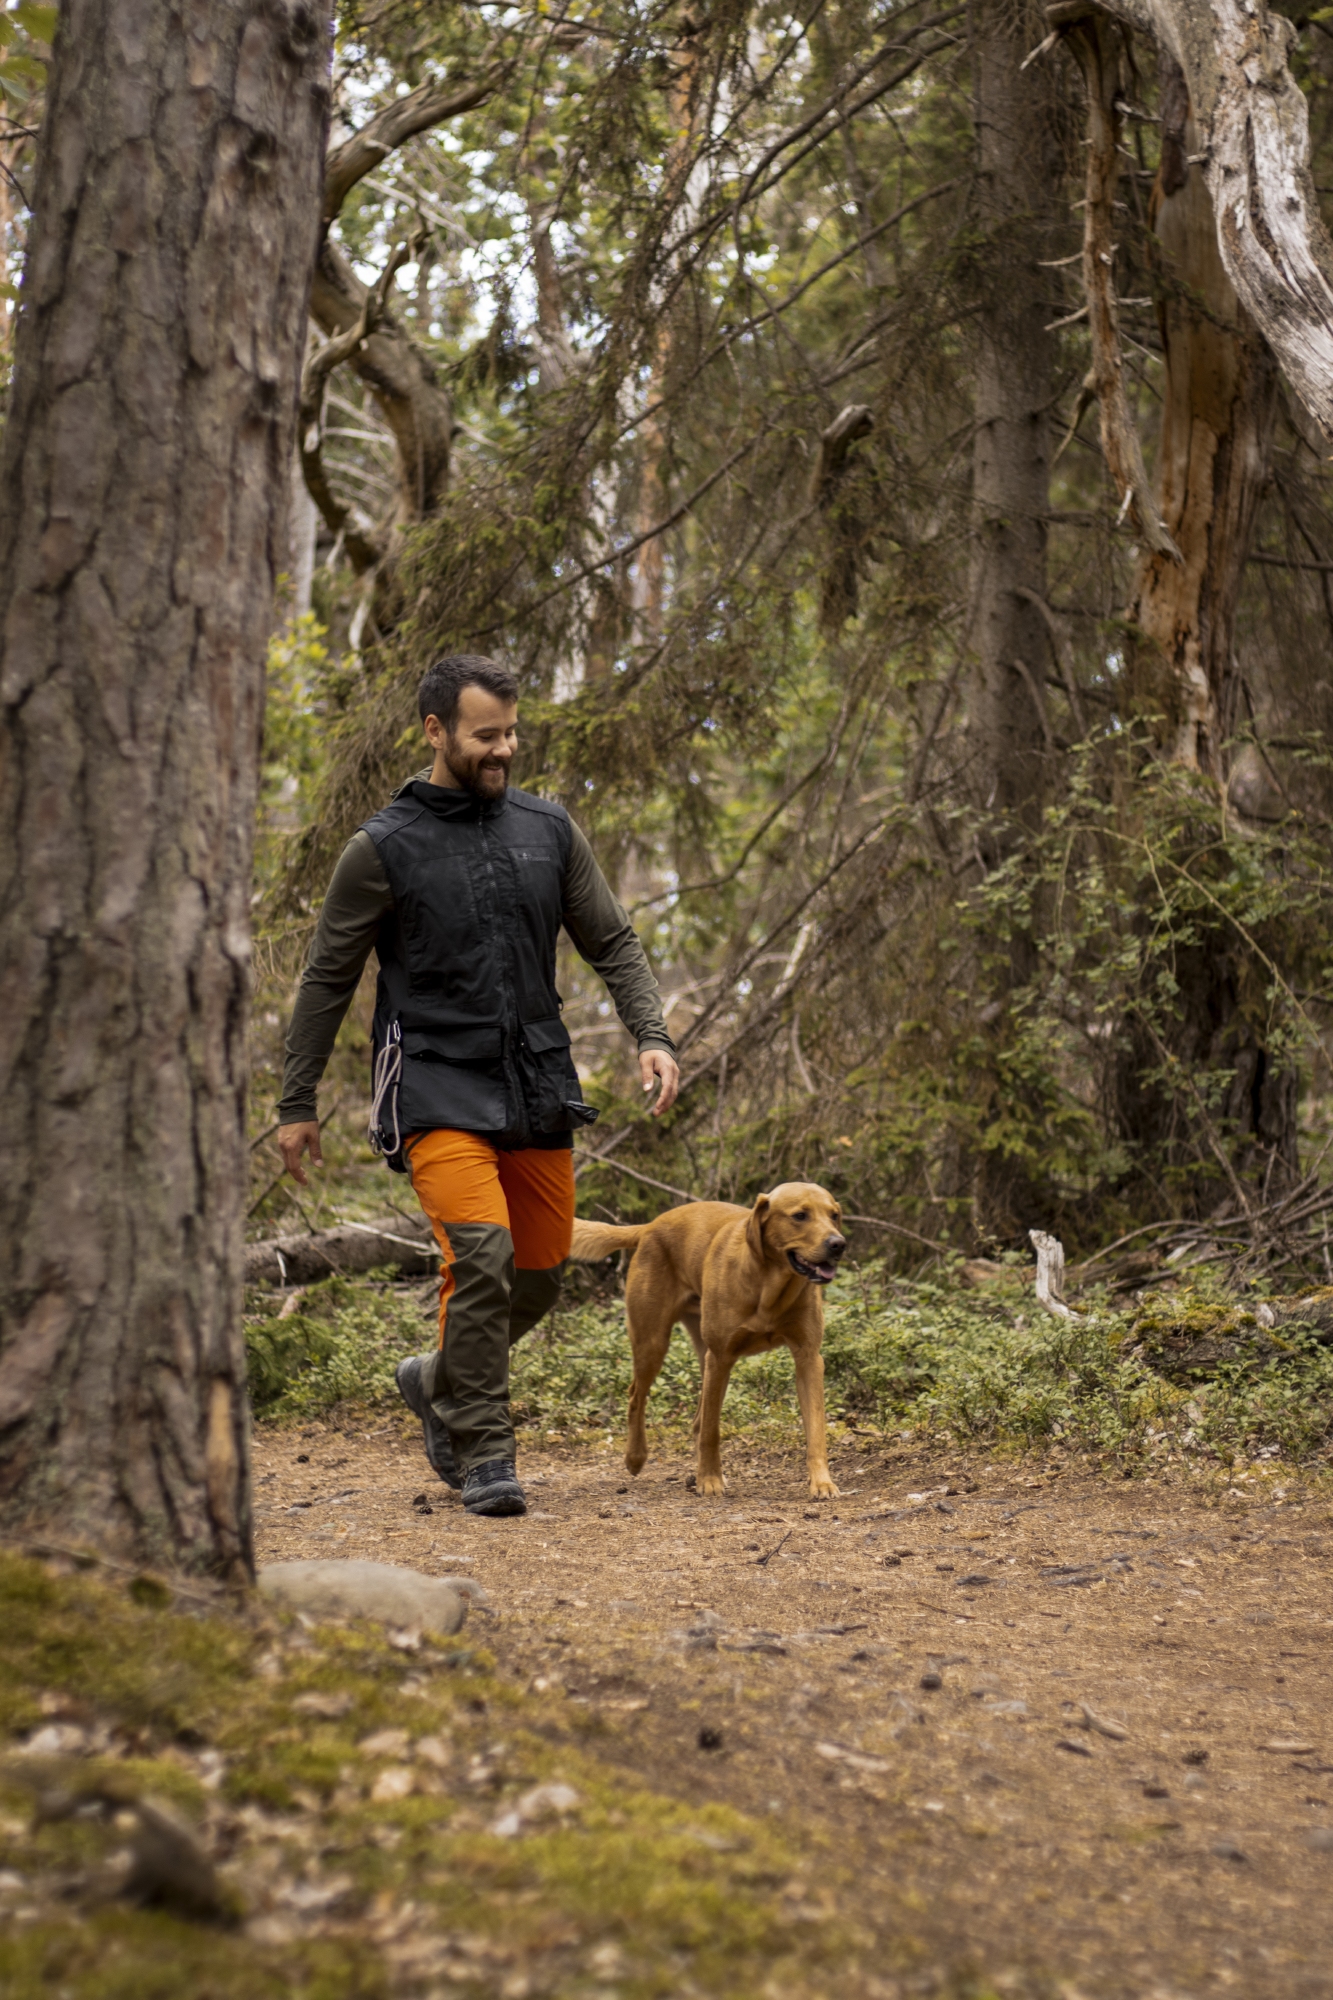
810, 1395
708, 1431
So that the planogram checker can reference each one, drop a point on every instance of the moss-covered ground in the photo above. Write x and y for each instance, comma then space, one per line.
350, 1791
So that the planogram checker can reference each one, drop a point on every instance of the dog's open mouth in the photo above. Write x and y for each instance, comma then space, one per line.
818, 1274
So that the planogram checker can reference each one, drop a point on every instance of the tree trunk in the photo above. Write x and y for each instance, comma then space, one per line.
1008, 726
1015, 388
1219, 407
143, 522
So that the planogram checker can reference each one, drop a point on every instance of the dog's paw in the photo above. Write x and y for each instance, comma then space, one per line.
712, 1485
823, 1489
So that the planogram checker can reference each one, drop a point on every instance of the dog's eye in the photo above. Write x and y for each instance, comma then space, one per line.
801, 1215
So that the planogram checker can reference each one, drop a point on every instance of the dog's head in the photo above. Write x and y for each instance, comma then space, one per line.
799, 1224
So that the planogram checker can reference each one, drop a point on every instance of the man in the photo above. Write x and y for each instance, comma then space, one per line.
461, 885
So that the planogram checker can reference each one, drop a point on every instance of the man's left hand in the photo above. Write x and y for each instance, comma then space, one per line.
655, 1063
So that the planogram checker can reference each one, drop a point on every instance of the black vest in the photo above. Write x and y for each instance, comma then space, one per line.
467, 968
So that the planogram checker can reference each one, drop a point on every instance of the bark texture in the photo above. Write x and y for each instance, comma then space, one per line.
143, 521
1014, 393
1253, 136
1219, 407
1008, 723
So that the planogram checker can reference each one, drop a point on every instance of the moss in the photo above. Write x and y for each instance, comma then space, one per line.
661, 1882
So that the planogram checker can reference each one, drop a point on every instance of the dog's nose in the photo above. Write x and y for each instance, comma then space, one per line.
834, 1247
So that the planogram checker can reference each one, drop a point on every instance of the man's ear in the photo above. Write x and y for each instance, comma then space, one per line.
754, 1228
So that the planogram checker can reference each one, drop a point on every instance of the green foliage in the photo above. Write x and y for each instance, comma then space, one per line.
341, 1345
986, 1366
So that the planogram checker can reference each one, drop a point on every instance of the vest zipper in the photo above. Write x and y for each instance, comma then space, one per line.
513, 1089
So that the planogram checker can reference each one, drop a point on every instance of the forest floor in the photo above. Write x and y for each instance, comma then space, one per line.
1027, 1730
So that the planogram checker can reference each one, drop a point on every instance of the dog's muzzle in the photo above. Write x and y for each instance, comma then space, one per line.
824, 1272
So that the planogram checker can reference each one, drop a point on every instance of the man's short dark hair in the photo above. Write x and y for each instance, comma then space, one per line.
442, 684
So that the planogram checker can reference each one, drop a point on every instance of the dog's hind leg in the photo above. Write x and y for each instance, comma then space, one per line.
810, 1395
650, 1314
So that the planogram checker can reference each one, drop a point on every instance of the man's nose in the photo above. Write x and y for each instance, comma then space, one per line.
834, 1247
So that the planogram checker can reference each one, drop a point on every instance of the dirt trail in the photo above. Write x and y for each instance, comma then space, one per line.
902, 1675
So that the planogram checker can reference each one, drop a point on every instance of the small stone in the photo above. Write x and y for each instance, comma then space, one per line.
931, 1681
385, 1743
435, 1751
57, 1739
944, 1569
1195, 1756
1228, 1850
394, 1783
398, 1597
1288, 1746
1321, 1839
622, 1489
973, 1582
327, 1707
303, 1458
710, 1739
1154, 1791
893, 1562
1074, 1749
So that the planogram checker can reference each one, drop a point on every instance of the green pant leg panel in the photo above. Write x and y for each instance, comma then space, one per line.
471, 1374
534, 1293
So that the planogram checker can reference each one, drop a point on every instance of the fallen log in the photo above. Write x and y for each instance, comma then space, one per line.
345, 1251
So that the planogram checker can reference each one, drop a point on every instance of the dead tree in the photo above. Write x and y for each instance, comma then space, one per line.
143, 499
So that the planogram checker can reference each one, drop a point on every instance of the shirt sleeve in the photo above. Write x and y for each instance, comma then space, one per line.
349, 923
605, 937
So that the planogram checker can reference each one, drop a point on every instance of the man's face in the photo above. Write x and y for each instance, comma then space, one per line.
475, 755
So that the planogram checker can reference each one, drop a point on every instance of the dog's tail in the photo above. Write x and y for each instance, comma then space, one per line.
595, 1240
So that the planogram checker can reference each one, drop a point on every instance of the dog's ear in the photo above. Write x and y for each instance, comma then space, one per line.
754, 1228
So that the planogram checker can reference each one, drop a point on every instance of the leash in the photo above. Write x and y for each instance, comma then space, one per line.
388, 1075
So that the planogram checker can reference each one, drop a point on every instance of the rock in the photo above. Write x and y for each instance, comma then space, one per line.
1288, 1746
1102, 1724
385, 1743
1195, 1756
1154, 1791
710, 1739
1321, 1839
931, 1681
326, 1707
169, 1865
1074, 1749
370, 1590
56, 1739
1228, 1850
395, 1782
973, 1582
543, 1802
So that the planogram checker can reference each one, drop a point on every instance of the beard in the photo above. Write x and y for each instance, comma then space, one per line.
484, 775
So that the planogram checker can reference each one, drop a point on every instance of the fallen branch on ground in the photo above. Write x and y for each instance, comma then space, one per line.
348, 1250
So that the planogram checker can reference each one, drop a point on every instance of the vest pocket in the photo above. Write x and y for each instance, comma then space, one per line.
436, 1094
550, 1083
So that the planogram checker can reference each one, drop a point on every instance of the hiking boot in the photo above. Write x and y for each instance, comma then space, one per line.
439, 1449
493, 1488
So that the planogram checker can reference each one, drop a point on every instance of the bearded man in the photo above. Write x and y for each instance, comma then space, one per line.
461, 886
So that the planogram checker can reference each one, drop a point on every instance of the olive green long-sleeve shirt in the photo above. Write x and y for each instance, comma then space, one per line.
349, 922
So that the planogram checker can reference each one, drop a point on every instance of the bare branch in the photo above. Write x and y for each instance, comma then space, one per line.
430, 104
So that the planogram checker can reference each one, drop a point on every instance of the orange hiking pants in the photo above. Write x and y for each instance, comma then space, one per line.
503, 1222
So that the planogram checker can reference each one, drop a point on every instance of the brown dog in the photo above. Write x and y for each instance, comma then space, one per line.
740, 1281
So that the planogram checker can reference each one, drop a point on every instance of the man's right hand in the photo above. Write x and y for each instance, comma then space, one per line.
292, 1142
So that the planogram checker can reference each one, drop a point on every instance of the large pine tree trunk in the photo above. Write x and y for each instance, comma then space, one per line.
1015, 388
143, 502
1008, 726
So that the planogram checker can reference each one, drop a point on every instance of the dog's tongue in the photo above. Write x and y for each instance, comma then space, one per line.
826, 1273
